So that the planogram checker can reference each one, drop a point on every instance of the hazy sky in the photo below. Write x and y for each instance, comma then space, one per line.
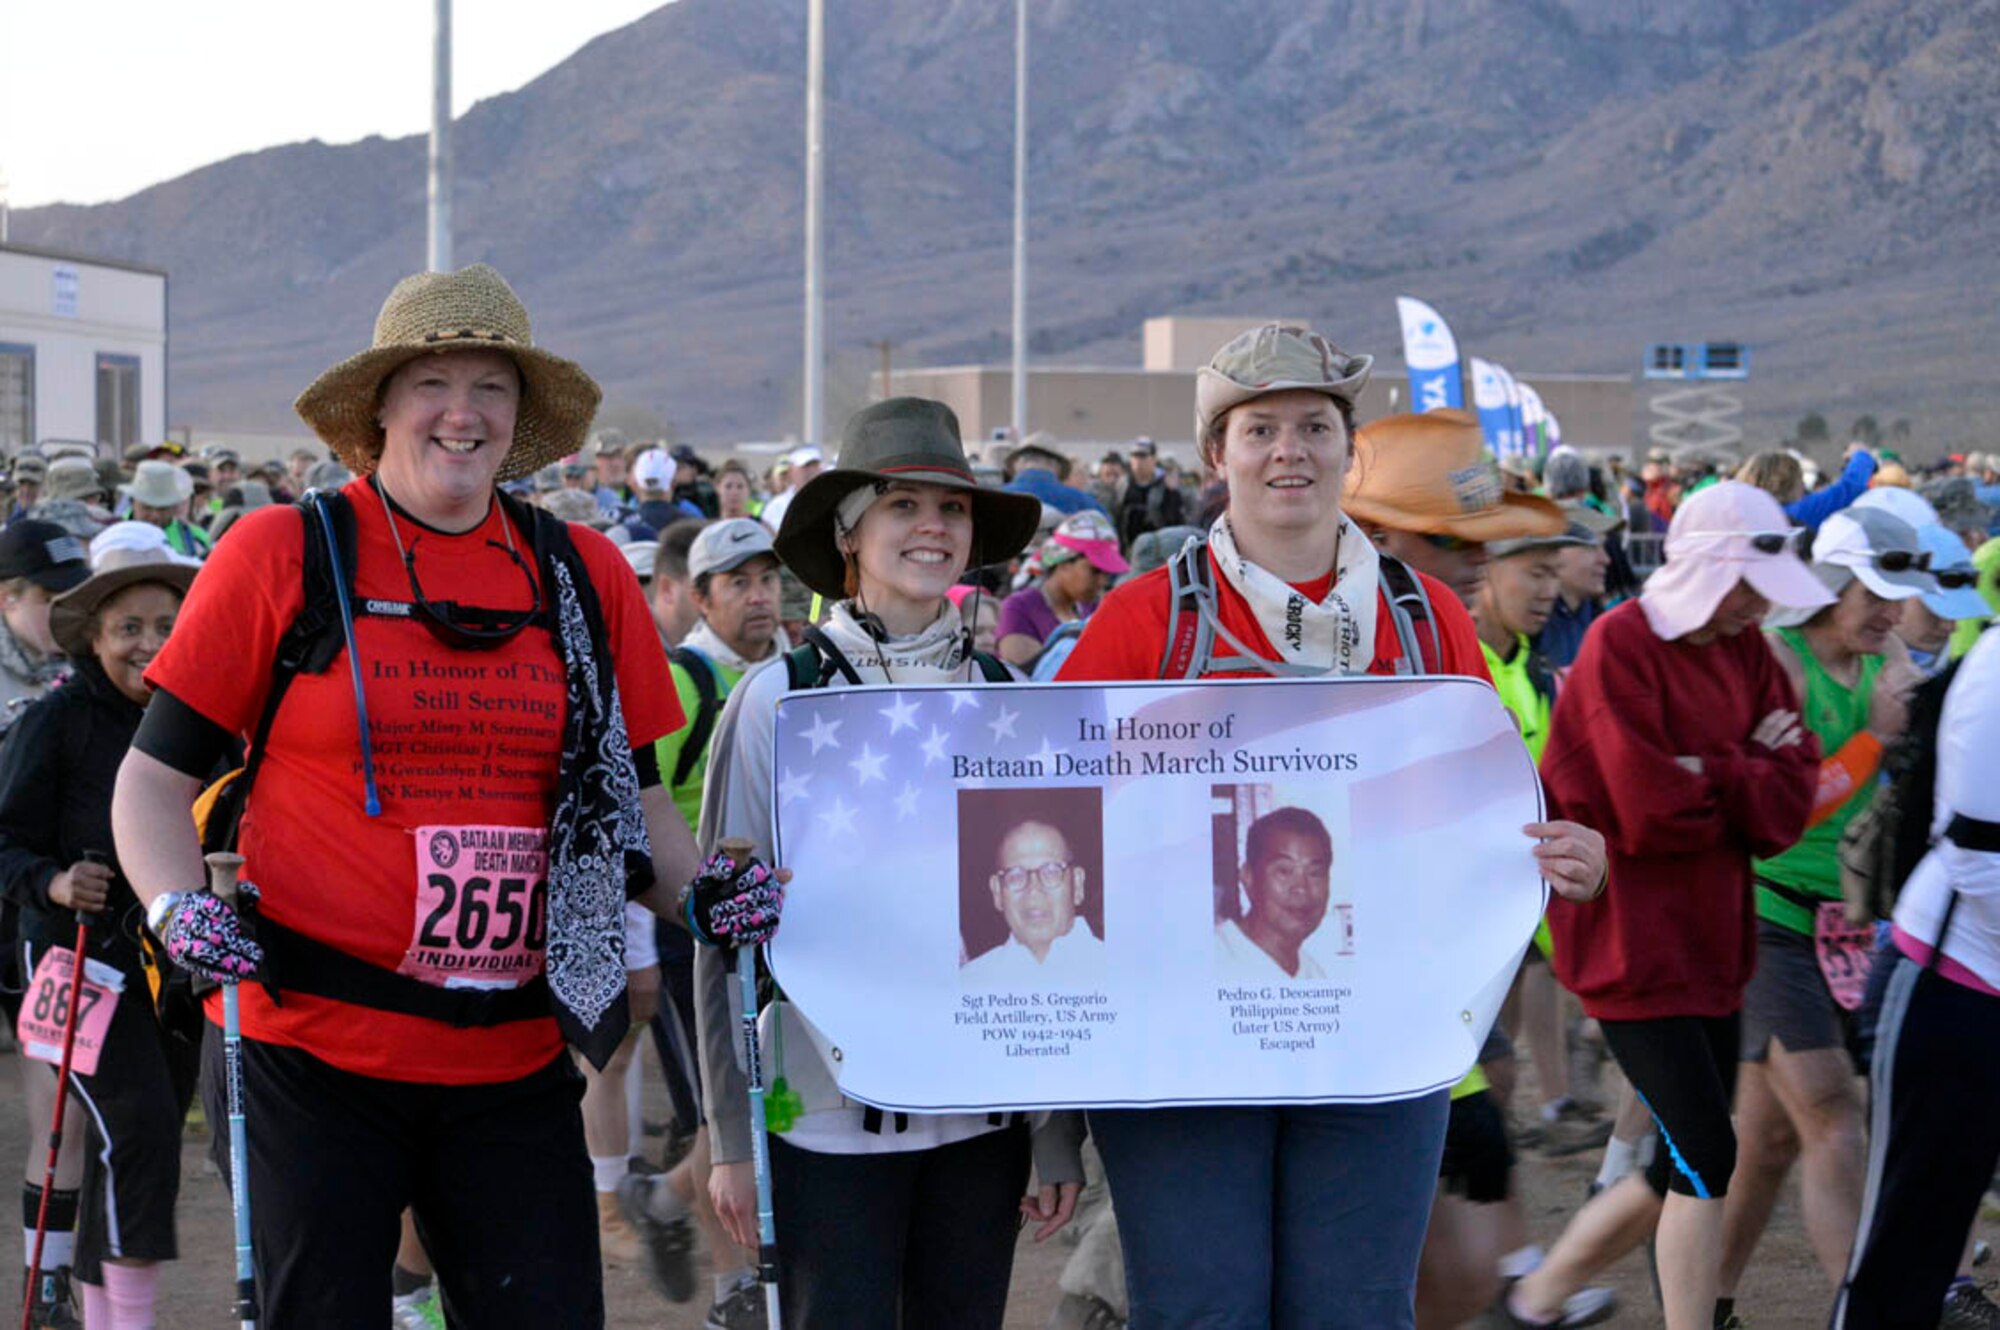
100, 98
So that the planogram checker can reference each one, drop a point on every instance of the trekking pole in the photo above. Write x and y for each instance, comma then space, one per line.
740, 852
62, 1100
222, 872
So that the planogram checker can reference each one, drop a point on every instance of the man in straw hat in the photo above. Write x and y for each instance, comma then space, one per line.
470, 795
1426, 490
1678, 733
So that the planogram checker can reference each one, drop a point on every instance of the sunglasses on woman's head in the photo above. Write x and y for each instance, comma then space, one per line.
1777, 542
1902, 561
1956, 579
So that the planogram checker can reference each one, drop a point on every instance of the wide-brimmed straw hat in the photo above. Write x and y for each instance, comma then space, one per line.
71, 613
1431, 474
432, 313
909, 439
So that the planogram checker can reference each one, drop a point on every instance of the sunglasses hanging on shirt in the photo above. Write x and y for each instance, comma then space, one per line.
466, 627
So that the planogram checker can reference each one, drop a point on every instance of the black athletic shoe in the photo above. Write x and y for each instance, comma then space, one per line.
54, 1306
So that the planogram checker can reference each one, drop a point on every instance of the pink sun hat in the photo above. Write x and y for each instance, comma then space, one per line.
1727, 533
1087, 534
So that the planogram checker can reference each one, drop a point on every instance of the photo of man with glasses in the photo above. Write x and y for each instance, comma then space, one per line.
1039, 881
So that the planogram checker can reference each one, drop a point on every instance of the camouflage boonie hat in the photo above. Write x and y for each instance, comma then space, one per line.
1270, 359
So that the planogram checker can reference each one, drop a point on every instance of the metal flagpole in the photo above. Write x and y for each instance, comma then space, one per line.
440, 178
1020, 220
815, 403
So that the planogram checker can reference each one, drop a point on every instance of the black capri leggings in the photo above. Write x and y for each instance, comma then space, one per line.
1684, 1069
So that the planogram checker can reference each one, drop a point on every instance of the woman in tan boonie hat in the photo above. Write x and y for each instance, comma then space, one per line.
432, 314
1289, 584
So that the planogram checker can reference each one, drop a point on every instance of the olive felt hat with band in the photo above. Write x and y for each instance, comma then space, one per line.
909, 439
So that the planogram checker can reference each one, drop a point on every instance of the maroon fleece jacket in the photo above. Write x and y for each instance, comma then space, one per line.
1675, 932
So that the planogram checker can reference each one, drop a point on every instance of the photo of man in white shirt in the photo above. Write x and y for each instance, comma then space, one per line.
1287, 878
1038, 887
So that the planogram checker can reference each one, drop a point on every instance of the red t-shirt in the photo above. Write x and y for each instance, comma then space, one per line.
460, 739
1127, 637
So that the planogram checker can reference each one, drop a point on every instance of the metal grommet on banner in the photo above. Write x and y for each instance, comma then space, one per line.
836, 1055
1465, 1016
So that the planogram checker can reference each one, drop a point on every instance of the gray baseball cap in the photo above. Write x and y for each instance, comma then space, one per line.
722, 546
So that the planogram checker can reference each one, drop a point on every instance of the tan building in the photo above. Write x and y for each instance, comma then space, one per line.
1091, 408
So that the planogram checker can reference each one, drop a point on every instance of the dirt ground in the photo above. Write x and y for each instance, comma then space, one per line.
1783, 1291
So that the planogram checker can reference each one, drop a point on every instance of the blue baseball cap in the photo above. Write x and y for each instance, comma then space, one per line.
1951, 562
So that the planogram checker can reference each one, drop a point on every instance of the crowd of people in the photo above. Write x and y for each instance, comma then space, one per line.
468, 630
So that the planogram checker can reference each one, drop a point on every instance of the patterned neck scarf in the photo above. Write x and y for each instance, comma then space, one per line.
1338, 633
597, 837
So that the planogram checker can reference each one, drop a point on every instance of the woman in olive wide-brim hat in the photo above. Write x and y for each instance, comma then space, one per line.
885, 533
447, 821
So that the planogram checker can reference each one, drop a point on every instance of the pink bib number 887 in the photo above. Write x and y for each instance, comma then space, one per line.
481, 906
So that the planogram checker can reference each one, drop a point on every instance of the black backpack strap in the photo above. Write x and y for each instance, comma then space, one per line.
307, 646
708, 701
1541, 675
992, 668
1410, 606
814, 664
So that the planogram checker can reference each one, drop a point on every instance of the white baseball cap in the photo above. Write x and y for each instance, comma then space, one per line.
653, 470
1879, 548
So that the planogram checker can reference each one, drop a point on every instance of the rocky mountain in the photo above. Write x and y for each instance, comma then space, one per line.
1566, 179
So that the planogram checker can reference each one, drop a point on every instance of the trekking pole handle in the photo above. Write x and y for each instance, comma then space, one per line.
224, 868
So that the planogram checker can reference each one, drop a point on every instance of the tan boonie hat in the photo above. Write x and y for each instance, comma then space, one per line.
159, 485
1431, 474
432, 313
1271, 359
72, 478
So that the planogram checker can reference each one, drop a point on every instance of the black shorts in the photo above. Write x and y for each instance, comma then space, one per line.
1477, 1155
1788, 999
1684, 1069
498, 1176
133, 1106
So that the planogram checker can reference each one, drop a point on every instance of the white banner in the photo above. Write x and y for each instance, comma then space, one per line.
1068, 895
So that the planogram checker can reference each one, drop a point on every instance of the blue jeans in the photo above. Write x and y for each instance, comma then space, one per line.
1253, 1218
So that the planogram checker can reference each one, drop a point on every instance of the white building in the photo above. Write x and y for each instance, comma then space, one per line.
83, 351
